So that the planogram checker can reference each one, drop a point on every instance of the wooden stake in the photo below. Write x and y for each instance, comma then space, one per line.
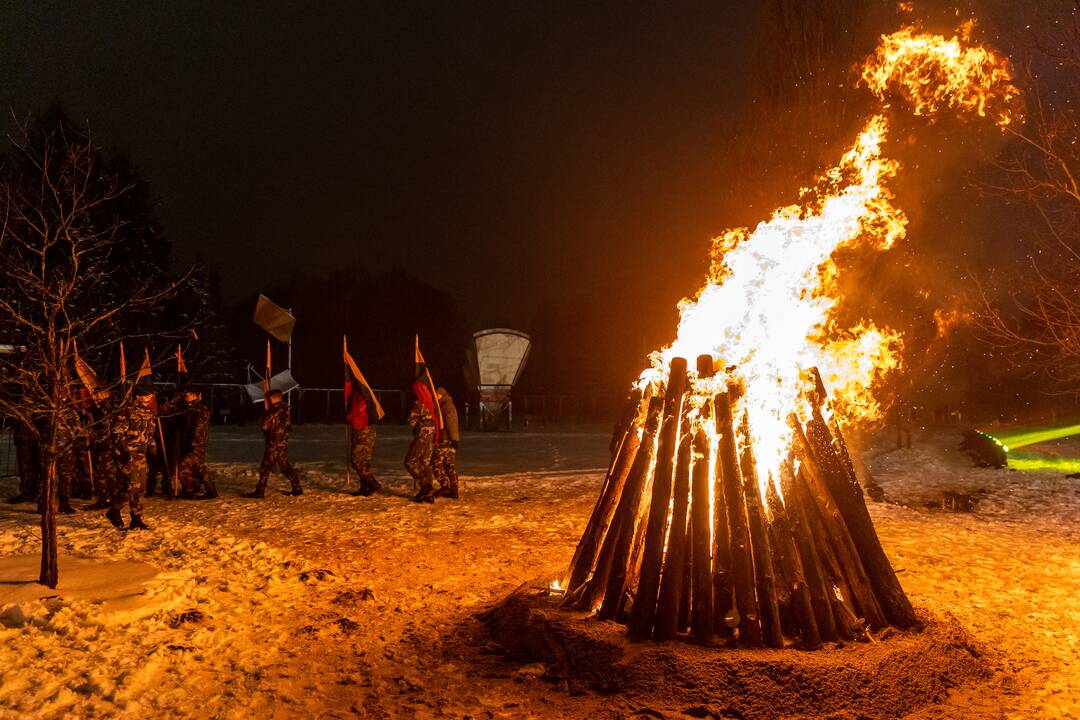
597, 586
722, 588
742, 561
846, 552
701, 622
759, 543
809, 558
801, 606
644, 610
671, 581
584, 561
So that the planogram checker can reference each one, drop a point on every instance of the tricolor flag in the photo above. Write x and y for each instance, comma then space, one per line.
424, 387
181, 369
359, 382
86, 374
266, 379
145, 377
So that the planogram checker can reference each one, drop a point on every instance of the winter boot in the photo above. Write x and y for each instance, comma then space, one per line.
115, 518
209, 494
426, 495
137, 523
65, 507
256, 493
296, 491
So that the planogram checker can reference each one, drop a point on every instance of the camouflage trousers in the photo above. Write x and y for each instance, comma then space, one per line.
131, 484
276, 455
104, 474
418, 458
194, 475
363, 445
444, 467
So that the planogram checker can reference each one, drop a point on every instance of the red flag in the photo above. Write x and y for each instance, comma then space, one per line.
426, 386
266, 379
360, 381
146, 369
181, 368
86, 374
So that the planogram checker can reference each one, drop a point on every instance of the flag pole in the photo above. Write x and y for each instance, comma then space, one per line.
348, 425
266, 378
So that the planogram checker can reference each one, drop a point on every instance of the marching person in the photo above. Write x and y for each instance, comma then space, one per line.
103, 469
132, 435
276, 425
418, 458
445, 456
191, 423
361, 435
194, 475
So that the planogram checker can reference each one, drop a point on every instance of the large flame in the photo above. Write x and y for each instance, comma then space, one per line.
766, 312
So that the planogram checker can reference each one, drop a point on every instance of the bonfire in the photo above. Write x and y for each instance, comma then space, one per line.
731, 508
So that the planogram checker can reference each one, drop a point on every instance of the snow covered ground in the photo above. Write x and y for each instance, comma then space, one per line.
332, 606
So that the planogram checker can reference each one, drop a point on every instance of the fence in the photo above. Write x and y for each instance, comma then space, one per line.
230, 405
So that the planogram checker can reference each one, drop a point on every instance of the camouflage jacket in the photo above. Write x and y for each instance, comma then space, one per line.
199, 426
134, 428
420, 417
276, 423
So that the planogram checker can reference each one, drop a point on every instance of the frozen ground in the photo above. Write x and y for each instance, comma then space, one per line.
328, 605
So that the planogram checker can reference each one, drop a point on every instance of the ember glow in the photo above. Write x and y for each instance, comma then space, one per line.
766, 313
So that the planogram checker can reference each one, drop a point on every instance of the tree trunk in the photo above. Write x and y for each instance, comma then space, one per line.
50, 573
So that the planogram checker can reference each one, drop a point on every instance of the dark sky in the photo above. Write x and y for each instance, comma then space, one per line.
509, 152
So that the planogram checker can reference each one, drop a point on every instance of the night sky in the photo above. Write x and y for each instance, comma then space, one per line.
509, 153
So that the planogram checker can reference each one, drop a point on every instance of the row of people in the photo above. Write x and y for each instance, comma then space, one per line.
119, 449
114, 447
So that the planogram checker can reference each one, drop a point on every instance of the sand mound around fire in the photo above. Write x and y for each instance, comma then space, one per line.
885, 679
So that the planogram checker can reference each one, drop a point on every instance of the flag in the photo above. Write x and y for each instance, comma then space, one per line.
425, 386
266, 378
273, 319
86, 374
181, 367
361, 382
145, 377
123, 364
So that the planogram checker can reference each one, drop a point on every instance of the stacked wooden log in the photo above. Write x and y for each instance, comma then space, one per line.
684, 542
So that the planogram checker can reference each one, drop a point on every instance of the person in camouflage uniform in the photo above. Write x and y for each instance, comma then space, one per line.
82, 485
28, 460
133, 433
444, 460
276, 425
103, 469
194, 436
361, 437
418, 458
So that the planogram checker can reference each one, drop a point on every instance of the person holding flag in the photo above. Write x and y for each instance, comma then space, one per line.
425, 419
362, 410
132, 435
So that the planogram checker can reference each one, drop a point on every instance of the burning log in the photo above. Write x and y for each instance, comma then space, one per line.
759, 544
626, 509
674, 571
687, 529
584, 561
794, 575
745, 607
644, 611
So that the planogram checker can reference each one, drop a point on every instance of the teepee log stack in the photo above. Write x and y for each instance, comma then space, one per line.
686, 540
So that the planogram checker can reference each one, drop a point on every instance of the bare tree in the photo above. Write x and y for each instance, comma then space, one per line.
1037, 319
60, 245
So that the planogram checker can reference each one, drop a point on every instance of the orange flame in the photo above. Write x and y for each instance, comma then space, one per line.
766, 311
